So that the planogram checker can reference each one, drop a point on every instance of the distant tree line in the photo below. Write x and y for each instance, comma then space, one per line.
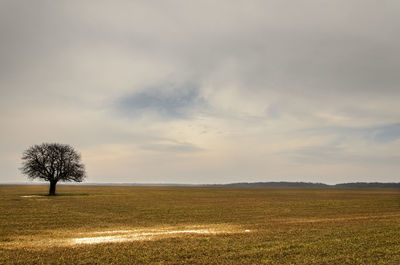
283, 184
368, 185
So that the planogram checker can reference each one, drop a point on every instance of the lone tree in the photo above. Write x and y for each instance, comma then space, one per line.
53, 162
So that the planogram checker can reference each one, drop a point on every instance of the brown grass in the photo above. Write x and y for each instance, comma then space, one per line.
287, 226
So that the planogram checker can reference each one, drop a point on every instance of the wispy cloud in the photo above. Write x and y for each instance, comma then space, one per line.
173, 147
336, 155
378, 133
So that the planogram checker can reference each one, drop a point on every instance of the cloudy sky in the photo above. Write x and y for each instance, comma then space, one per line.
204, 91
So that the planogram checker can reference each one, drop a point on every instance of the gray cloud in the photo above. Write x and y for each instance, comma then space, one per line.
388, 133
335, 155
379, 134
170, 102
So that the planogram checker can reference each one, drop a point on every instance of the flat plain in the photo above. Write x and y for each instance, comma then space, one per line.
198, 225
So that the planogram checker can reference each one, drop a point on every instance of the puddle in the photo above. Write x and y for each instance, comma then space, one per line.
31, 196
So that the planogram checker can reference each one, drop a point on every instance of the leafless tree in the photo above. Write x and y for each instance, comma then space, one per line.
53, 162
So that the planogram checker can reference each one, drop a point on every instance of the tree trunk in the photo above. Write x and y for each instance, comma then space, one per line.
52, 190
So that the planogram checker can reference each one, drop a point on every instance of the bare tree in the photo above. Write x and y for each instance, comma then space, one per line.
53, 162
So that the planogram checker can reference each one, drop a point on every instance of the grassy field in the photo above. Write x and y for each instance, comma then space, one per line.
159, 225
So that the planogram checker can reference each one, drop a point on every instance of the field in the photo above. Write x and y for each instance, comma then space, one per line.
198, 225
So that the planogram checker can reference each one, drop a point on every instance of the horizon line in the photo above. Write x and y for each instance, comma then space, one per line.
188, 184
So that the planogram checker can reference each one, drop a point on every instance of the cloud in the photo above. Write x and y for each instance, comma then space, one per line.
372, 134
173, 147
339, 155
388, 133
167, 102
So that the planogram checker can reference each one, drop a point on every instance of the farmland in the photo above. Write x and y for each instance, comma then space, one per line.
198, 225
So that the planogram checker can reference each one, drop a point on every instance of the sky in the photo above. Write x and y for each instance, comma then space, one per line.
204, 91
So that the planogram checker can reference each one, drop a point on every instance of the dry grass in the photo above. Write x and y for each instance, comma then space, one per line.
71, 238
177, 225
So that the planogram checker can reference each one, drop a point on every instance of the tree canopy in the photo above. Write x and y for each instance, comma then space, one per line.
53, 162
